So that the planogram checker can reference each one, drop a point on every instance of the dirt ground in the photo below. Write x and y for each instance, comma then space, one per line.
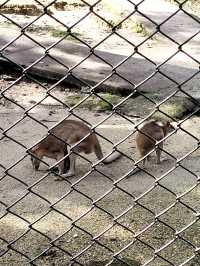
98, 210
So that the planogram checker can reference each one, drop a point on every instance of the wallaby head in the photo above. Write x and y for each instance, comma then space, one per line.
149, 134
166, 126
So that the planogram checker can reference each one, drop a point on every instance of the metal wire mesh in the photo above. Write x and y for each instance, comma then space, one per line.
117, 224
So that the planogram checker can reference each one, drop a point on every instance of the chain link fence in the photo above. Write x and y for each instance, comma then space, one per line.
105, 214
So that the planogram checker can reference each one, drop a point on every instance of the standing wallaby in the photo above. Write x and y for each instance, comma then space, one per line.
68, 133
148, 134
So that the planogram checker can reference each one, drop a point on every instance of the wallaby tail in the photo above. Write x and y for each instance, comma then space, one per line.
98, 151
114, 156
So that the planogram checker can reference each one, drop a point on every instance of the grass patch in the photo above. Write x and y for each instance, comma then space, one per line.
116, 14
139, 28
50, 30
176, 107
28, 9
65, 5
103, 103
114, 23
61, 33
53, 32
174, 110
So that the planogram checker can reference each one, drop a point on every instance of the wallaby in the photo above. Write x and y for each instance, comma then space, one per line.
68, 133
148, 134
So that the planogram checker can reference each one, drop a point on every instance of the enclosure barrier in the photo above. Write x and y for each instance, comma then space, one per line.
115, 249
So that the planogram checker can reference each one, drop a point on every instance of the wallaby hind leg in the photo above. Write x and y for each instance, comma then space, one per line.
158, 153
71, 171
66, 162
142, 154
63, 166
143, 162
148, 158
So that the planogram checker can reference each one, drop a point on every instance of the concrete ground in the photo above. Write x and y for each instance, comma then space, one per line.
113, 52
98, 197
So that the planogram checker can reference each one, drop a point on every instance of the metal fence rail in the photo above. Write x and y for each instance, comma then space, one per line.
76, 243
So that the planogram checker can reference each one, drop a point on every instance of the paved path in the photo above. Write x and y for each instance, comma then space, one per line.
94, 68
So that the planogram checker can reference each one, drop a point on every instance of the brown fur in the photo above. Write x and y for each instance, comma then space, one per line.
148, 134
69, 132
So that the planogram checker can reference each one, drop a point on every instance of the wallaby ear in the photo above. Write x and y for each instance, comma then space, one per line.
159, 123
173, 125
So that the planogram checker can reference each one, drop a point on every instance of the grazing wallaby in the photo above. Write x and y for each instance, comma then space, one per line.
68, 132
148, 134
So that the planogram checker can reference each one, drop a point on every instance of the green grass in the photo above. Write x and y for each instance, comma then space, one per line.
114, 22
176, 107
28, 9
64, 5
61, 33
53, 32
174, 110
139, 28
116, 15
94, 103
